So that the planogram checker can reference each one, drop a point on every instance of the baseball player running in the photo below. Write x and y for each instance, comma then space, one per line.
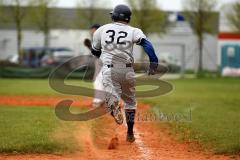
98, 99
113, 45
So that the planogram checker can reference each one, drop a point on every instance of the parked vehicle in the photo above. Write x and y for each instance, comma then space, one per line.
13, 59
57, 57
39, 56
171, 62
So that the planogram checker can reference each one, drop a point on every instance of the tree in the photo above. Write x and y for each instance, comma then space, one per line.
17, 14
43, 18
200, 15
233, 16
87, 14
148, 17
2, 18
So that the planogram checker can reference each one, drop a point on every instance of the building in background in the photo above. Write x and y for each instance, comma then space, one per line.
181, 43
178, 45
228, 46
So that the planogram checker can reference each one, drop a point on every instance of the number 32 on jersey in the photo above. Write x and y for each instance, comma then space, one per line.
121, 35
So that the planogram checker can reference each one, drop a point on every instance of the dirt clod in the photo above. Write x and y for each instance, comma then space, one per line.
113, 143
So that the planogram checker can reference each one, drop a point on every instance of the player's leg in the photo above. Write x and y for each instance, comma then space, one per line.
130, 104
113, 100
130, 110
130, 118
112, 88
99, 96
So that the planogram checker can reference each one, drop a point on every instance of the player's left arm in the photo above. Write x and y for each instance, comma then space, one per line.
96, 44
87, 42
148, 48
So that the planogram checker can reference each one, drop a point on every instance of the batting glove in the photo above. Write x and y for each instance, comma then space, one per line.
152, 69
88, 43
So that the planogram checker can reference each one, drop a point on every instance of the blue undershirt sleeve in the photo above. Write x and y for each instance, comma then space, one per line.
148, 48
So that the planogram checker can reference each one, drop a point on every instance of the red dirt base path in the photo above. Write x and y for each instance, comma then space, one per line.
152, 142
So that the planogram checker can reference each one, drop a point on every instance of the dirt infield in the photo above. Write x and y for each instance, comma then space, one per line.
42, 101
152, 142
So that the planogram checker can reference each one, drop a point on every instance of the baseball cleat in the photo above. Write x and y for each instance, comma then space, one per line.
117, 114
130, 137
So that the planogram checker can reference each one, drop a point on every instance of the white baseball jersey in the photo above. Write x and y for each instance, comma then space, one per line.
116, 42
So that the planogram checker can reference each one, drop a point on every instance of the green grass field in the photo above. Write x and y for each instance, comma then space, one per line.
215, 108
34, 130
32, 86
214, 104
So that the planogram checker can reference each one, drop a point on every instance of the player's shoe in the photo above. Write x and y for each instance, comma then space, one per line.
130, 137
117, 114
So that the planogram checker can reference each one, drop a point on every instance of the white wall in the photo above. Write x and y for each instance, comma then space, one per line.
178, 43
58, 38
175, 43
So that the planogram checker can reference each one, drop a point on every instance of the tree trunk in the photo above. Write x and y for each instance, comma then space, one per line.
46, 39
200, 39
141, 22
46, 27
19, 40
19, 44
200, 64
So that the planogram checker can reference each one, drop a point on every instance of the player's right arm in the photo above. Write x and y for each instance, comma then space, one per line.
96, 44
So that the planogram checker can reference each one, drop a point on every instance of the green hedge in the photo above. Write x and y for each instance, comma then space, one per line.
42, 72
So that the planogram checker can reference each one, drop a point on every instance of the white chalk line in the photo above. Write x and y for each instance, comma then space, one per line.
145, 152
